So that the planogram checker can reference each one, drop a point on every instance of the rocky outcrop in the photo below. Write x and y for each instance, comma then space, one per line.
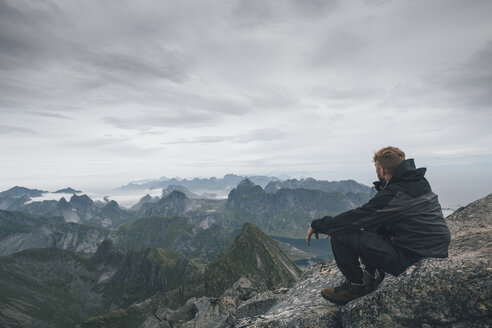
455, 292
300, 306
204, 312
450, 292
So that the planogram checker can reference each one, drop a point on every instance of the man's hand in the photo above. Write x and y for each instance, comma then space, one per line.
309, 234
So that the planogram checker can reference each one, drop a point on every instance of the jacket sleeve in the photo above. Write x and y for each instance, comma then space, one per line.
354, 219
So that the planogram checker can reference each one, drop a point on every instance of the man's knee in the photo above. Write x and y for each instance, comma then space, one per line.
345, 239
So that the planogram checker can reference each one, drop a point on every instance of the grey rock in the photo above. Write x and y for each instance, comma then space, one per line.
245, 288
434, 292
204, 312
471, 230
302, 305
257, 305
455, 292
214, 312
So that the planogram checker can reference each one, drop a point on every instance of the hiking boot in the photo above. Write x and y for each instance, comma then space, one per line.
344, 293
372, 282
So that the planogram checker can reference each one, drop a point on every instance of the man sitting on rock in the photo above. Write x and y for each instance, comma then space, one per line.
402, 224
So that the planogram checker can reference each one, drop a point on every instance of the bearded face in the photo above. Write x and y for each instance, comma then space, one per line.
379, 172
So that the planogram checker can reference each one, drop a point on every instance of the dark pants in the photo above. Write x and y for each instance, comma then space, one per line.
374, 250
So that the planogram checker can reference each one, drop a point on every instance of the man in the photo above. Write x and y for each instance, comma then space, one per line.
400, 225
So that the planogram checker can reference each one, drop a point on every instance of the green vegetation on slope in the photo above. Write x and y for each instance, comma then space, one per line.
60, 288
252, 253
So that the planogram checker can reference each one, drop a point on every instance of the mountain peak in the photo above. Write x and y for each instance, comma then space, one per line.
67, 190
81, 198
245, 183
180, 188
18, 191
176, 195
256, 253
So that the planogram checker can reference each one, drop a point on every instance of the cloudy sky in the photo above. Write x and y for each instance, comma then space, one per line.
97, 93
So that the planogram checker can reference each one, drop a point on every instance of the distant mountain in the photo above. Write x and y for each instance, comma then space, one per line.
113, 215
177, 234
287, 212
13, 203
81, 209
50, 287
343, 186
145, 199
22, 191
67, 191
182, 189
20, 231
14, 198
174, 204
199, 185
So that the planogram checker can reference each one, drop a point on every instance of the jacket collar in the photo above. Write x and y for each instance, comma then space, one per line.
404, 167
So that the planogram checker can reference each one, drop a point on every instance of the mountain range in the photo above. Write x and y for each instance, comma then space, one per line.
223, 185
285, 212
181, 261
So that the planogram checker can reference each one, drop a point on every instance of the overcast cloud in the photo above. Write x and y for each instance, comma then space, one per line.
98, 93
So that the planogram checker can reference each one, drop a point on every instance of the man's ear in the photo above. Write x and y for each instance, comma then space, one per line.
380, 170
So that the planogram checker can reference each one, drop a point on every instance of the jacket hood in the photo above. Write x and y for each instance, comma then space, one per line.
405, 171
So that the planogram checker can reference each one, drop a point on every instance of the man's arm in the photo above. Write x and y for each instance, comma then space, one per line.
355, 219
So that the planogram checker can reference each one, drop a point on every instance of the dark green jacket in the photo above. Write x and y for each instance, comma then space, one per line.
405, 208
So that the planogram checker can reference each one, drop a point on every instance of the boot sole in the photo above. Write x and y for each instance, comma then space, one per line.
332, 300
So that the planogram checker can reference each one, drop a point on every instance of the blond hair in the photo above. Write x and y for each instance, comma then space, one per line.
389, 158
